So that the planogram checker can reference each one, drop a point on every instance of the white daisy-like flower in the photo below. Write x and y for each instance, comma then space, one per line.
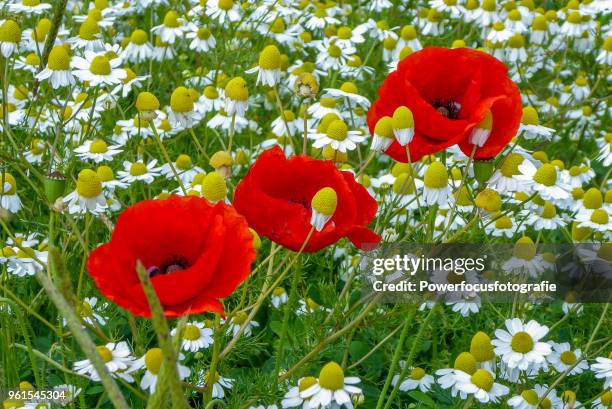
196, 336
98, 69
173, 27
201, 38
88, 195
482, 385
57, 71
529, 399
338, 136
562, 358
279, 297
292, 398
436, 189
269, 67
418, 379
97, 150
544, 180
219, 383
332, 389
349, 91
599, 219
117, 358
27, 261
87, 311
519, 346
331, 56
236, 322
224, 11
602, 368
29, 7
152, 361
139, 171
9, 200
10, 38
138, 49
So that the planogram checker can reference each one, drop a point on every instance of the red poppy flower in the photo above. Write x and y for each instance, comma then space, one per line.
196, 253
449, 92
275, 198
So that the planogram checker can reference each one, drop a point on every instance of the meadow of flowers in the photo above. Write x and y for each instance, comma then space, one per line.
188, 189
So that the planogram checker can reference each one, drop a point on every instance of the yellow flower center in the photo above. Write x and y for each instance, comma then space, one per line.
59, 59
384, 127
331, 377
146, 102
105, 173
10, 32
516, 41
466, 362
530, 396
240, 318
325, 201
180, 100
337, 130
171, 19
522, 342
237, 89
481, 347
417, 373
31, 3
183, 162
334, 51
139, 37
138, 169
89, 29
306, 383
539, 23
204, 33
574, 18
278, 291
311, 304
32, 59
436, 176
100, 65
402, 118
211, 92
98, 146
191, 332
549, 211
8, 178
153, 360
402, 185
278, 26
270, 58
546, 175
483, 379
220, 159
600, 216
568, 358
105, 353
85, 309
489, 200
503, 223
408, 33
593, 199
214, 187
226, 4
606, 399
88, 184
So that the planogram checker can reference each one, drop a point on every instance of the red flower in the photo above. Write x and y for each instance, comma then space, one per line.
449, 92
275, 198
196, 253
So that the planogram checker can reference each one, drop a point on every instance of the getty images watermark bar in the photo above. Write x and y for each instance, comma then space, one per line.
499, 273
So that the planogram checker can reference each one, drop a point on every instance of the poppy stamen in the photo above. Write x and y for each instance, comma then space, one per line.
172, 265
447, 108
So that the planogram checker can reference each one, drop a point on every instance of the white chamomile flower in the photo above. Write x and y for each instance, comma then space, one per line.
602, 368
139, 171
530, 398
196, 336
279, 297
332, 389
29, 7
482, 385
338, 136
237, 321
9, 200
293, 397
349, 91
224, 11
117, 358
98, 69
10, 37
57, 71
97, 150
236, 97
269, 67
88, 195
519, 346
201, 38
138, 48
219, 383
436, 189
544, 180
563, 358
152, 361
27, 261
418, 379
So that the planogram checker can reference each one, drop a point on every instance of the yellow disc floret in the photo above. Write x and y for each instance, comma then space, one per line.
325, 201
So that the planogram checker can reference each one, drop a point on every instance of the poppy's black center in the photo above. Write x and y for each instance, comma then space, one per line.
447, 108
172, 264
